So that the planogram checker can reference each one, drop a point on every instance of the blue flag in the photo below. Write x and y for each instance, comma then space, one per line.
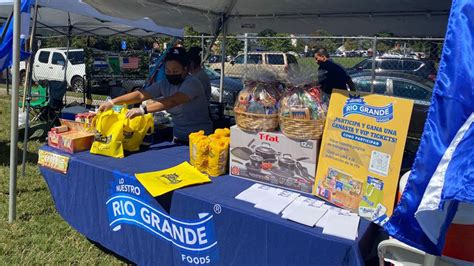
440, 188
6, 46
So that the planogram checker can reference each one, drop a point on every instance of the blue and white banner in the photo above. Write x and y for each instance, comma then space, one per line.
357, 105
6, 46
442, 179
130, 204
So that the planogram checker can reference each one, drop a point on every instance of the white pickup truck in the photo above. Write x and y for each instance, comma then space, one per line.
50, 64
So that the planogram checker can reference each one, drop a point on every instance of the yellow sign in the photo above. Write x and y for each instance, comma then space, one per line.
53, 161
161, 182
361, 152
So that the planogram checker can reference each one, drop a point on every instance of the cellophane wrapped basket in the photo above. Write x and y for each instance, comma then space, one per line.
303, 110
256, 107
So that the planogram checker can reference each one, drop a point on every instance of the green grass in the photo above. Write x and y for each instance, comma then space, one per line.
346, 62
39, 235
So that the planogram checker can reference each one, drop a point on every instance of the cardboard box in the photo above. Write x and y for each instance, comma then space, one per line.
273, 158
76, 141
54, 139
70, 141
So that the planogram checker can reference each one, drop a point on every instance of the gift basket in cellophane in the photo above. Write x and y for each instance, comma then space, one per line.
256, 107
303, 107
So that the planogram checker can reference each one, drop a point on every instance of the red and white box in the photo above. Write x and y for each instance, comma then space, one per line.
271, 157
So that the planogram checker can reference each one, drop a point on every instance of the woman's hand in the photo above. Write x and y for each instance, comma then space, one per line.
106, 106
135, 112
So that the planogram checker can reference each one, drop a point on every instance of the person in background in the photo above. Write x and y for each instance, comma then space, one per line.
336, 76
196, 69
179, 93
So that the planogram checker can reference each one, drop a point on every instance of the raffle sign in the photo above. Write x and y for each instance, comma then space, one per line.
361, 152
53, 161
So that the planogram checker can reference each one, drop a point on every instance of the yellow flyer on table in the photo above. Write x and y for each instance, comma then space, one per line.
161, 182
361, 152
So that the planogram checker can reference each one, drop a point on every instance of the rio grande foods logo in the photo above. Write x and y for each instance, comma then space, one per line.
356, 105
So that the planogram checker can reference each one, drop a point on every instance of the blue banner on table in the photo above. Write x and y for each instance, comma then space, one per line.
451, 105
244, 235
195, 240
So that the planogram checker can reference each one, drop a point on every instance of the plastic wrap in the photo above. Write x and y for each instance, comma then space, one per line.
256, 107
303, 108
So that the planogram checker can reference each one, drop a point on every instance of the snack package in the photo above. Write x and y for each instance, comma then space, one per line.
218, 154
209, 153
198, 149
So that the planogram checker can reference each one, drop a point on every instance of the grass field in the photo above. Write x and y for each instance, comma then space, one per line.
39, 235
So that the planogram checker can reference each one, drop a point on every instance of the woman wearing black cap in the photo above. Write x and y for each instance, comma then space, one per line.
180, 94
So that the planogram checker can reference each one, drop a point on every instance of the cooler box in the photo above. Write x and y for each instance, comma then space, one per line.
273, 158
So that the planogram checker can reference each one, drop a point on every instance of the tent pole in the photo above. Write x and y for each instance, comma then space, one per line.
202, 48
69, 28
246, 47
14, 111
28, 87
223, 57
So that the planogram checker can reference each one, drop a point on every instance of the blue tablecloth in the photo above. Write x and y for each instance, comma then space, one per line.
204, 224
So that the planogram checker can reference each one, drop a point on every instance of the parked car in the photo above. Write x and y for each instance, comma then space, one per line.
423, 68
276, 62
405, 86
401, 85
50, 64
232, 87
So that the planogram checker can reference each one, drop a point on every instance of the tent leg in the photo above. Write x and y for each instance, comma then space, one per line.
14, 111
28, 93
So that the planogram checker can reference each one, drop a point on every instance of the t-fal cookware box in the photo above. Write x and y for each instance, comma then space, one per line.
273, 158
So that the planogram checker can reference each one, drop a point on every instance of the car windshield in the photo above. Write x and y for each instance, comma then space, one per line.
211, 73
76, 57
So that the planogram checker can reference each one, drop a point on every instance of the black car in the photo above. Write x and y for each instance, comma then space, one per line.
232, 87
404, 86
423, 68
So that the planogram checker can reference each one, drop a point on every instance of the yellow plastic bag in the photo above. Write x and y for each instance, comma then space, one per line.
109, 134
135, 129
218, 154
160, 182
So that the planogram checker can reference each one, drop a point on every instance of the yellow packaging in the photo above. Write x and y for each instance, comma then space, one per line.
218, 154
225, 132
193, 137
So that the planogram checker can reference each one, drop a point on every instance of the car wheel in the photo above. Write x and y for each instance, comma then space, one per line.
77, 84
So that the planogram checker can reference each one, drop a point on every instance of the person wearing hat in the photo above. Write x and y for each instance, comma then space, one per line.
197, 71
180, 94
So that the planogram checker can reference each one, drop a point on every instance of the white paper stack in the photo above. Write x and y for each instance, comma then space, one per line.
342, 224
305, 211
257, 193
277, 202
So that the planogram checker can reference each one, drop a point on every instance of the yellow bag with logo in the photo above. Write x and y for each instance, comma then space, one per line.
108, 126
134, 131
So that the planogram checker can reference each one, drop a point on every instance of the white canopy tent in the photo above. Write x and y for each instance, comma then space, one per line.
85, 20
65, 17
404, 18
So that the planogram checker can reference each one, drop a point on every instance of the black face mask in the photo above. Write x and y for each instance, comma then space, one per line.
175, 79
